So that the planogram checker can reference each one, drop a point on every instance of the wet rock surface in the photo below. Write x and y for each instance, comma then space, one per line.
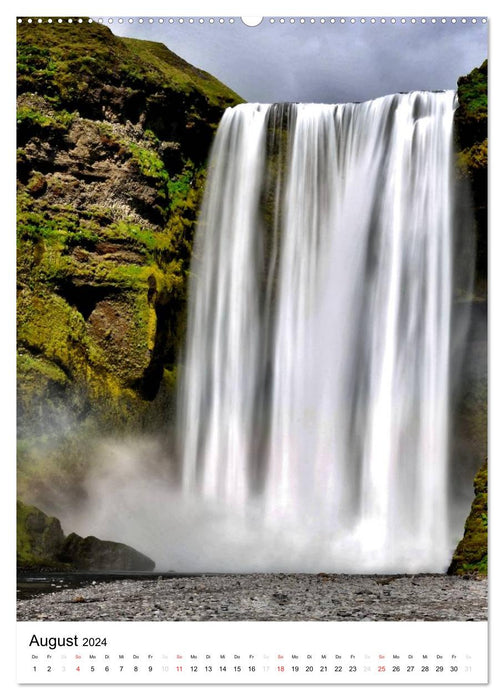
268, 597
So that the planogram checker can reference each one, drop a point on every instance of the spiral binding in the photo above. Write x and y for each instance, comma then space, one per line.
271, 20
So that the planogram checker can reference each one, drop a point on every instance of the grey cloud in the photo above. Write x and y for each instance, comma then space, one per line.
324, 62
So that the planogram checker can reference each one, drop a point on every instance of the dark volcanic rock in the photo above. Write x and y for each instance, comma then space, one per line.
41, 544
100, 555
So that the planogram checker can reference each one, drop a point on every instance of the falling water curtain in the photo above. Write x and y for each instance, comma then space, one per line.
252, 338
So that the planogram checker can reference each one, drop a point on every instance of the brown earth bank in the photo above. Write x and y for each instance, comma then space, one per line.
262, 597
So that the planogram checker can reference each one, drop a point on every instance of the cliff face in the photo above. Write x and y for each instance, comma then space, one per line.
471, 555
470, 419
471, 135
471, 128
113, 136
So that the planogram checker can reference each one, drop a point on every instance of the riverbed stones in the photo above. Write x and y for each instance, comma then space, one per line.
291, 597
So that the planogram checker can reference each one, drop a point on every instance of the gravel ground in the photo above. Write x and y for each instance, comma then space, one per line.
268, 597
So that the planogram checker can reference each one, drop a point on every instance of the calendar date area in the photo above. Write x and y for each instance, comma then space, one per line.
240, 652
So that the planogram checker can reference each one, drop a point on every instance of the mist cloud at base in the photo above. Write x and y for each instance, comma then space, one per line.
133, 497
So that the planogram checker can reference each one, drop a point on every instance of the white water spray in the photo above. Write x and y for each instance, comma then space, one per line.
315, 392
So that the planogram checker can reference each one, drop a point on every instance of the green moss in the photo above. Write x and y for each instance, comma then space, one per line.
29, 117
145, 239
184, 211
471, 555
39, 538
150, 165
86, 237
66, 61
473, 159
37, 184
470, 129
177, 74
51, 327
179, 187
102, 283
472, 92
28, 365
37, 222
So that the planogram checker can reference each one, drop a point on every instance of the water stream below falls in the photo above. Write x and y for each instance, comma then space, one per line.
314, 402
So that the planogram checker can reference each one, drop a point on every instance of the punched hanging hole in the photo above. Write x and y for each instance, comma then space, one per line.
252, 21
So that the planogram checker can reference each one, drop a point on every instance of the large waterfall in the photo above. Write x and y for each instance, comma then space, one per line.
314, 401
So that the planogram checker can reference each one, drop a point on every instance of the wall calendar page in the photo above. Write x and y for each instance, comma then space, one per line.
252, 350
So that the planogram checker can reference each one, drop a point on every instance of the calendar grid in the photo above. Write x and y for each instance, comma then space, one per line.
310, 653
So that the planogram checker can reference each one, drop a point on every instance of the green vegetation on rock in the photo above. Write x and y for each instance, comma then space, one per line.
471, 128
157, 60
472, 551
39, 538
66, 60
113, 137
469, 418
472, 93
32, 119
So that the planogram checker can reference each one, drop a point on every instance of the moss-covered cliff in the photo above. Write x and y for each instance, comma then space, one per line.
113, 137
39, 538
471, 134
472, 551
470, 416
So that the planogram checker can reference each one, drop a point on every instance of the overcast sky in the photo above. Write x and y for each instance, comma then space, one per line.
323, 62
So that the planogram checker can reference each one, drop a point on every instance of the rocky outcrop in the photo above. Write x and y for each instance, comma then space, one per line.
39, 538
113, 136
92, 554
41, 544
472, 550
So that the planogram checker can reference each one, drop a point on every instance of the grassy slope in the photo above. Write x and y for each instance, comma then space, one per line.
178, 74
65, 61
